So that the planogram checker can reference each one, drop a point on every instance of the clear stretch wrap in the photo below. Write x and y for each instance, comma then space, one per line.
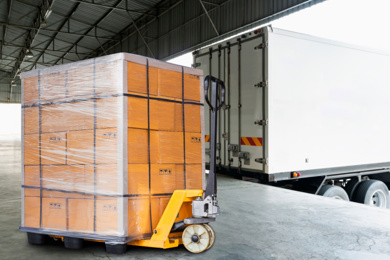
106, 141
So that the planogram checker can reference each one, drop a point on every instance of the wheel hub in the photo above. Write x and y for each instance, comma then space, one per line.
378, 199
195, 238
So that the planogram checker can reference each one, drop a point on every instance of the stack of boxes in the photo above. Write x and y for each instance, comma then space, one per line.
106, 142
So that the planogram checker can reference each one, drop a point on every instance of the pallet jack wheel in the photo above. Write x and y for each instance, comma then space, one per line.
36, 239
212, 235
196, 238
116, 249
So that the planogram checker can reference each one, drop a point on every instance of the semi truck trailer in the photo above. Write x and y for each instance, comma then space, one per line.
303, 112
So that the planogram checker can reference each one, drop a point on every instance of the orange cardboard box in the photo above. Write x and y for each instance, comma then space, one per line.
52, 86
138, 179
107, 216
80, 215
191, 87
80, 81
107, 112
165, 115
106, 146
107, 77
166, 178
193, 148
66, 178
165, 83
136, 78
31, 149
54, 213
192, 118
166, 147
162, 82
137, 146
137, 112
31, 90
67, 116
106, 178
138, 217
53, 148
80, 147
194, 176
31, 212
31, 120
64, 194
31, 178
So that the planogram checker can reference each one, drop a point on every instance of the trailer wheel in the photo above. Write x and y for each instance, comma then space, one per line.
351, 186
334, 192
196, 238
373, 193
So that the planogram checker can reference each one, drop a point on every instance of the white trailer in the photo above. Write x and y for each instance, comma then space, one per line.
303, 110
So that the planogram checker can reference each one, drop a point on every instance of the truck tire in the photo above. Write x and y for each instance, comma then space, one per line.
373, 193
351, 187
334, 192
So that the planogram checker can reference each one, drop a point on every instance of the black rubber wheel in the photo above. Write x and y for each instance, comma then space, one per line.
73, 243
334, 192
373, 193
116, 248
351, 186
36, 239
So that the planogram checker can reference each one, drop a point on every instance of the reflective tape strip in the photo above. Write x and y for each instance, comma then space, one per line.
252, 141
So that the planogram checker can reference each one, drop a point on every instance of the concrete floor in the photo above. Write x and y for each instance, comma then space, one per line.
256, 222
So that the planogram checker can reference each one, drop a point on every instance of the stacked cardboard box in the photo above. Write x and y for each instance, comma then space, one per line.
106, 142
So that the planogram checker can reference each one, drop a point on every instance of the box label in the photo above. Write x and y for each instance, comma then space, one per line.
165, 171
195, 139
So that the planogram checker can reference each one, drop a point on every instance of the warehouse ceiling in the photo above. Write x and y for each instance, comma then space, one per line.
42, 33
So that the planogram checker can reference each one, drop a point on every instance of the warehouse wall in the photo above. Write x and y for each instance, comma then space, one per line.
5, 91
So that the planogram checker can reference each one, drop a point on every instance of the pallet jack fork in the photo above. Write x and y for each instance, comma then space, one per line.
198, 235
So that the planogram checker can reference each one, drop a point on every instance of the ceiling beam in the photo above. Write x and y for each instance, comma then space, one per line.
143, 12
9, 7
55, 31
44, 11
208, 16
69, 14
111, 44
92, 27
70, 18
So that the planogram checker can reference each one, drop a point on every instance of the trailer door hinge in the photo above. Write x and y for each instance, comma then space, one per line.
261, 122
245, 156
225, 136
195, 65
261, 46
233, 147
261, 84
261, 160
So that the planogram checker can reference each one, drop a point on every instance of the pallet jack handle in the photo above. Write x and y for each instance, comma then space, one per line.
216, 84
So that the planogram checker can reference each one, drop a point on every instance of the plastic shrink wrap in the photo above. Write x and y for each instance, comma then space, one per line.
106, 142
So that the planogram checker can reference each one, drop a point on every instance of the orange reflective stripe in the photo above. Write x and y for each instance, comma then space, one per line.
252, 141
257, 141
